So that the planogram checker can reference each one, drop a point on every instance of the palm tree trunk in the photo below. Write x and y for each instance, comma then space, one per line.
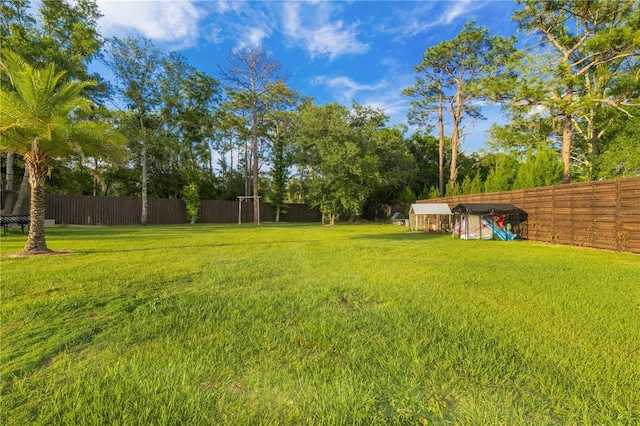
36, 243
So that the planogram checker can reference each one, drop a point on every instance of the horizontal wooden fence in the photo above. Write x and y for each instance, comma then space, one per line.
89, 210
601, 214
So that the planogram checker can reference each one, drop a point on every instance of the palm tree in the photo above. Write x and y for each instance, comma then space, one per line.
39, 121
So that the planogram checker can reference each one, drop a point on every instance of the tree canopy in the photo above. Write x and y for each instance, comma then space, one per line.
570, 95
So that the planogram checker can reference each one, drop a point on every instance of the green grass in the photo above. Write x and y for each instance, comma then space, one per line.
303, 324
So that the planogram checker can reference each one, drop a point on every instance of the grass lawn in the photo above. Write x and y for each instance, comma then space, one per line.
304, 324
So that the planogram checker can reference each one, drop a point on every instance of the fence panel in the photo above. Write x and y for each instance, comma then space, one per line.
603, 214
217, 211
89, 210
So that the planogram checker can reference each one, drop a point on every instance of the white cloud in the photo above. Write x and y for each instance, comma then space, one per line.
390, 100
162, 21
344, 88
256, 35
424, 16
223, 6
384, 94
242, 23
456, 10
381, 95
319, 35
252, 37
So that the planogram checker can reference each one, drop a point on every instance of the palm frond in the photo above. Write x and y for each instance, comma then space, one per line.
40, 114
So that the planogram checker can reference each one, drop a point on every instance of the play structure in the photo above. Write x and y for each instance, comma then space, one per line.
430, 217
489, 221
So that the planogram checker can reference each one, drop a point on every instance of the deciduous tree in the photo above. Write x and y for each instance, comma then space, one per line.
342, 161
251, 73
280, 123
137, 66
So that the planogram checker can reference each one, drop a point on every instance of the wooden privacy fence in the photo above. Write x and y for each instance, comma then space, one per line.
89, 210
602, 214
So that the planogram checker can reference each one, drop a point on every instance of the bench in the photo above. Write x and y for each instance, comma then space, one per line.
19, 219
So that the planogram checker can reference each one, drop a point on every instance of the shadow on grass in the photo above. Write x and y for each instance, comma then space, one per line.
407, 236
130, 249
204, 245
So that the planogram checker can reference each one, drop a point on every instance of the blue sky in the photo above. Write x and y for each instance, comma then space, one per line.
334, 51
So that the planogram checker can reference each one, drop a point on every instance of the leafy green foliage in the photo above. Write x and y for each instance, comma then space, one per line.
620, 157
502, 174
397, 167
542, 168
424, 149
471, 186
192, 201
340, 146
55, 31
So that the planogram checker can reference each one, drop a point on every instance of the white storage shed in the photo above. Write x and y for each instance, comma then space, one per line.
430, 217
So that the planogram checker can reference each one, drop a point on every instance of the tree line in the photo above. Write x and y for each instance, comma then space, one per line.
163, 128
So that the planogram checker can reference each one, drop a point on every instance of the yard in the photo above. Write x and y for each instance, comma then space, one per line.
304, 324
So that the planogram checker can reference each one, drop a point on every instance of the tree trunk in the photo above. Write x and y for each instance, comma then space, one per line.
441, 145
145, 178
567, 135
455, 141
246, 167
96, 178
10, 156
300, 193
254, 146
455, 138
22, 194
36, 243
145, 201
9, 195
278, 214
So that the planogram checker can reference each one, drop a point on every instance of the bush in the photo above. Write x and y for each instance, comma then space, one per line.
191, 199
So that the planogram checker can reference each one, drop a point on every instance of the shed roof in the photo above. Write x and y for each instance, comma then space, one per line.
430, 208
471, 208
